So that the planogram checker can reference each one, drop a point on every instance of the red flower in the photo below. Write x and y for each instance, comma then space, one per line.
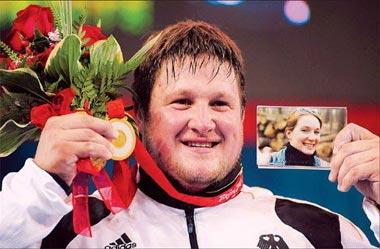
40, 114
4, 62
115, 108
60, 106
31, 60
93, 33
12, 65
62, 101
31, 18
16, 40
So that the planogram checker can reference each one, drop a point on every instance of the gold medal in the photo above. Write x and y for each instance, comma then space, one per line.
125, 141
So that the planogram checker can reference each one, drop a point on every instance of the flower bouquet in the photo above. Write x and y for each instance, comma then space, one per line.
50, 65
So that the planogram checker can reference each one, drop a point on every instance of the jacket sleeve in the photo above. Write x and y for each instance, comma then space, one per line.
373, 213
31, 204
352, 236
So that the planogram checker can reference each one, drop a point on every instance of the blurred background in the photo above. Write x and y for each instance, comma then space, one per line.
303, 53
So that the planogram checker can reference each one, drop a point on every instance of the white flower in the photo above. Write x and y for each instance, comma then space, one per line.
54, 36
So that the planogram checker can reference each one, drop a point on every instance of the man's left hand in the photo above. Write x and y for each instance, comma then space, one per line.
356, 161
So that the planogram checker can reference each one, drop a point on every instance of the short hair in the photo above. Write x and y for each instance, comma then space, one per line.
186, 39
293, 118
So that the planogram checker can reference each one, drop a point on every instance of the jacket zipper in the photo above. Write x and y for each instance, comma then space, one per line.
189, 212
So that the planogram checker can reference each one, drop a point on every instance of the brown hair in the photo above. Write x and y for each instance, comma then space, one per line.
187, 39
293, 118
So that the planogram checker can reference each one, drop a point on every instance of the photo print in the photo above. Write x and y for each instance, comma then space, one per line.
297, 137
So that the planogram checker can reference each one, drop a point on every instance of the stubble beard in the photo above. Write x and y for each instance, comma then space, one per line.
190, 181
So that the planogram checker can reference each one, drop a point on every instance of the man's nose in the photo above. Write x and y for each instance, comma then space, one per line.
201, 120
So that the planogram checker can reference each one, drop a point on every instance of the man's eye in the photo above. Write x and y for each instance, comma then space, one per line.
182, 102
316, 132
219, 103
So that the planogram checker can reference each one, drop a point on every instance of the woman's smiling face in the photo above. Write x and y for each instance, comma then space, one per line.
306, 134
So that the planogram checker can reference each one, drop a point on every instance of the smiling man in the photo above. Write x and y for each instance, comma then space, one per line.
190, 103
194, 128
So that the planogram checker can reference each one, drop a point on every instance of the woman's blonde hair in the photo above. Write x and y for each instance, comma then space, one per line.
293, 118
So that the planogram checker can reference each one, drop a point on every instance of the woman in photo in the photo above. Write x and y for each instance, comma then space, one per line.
302, 130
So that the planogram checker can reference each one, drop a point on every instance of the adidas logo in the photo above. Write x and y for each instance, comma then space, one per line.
124, 242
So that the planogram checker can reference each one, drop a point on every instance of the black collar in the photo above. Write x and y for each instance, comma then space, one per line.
153, 190
298, 158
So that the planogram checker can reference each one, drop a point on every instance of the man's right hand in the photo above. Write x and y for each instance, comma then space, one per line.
65, 139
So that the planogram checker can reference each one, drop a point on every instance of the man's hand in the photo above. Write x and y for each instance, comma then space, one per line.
356, 161
67, 138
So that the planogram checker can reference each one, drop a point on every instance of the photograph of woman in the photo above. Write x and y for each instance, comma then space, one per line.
303, 131
297, 138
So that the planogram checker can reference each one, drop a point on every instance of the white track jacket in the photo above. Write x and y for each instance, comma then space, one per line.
36, 212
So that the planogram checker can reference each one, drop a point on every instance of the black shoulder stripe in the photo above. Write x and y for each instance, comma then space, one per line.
320, 227
63, 233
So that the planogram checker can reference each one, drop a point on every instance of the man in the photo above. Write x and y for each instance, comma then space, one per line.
190, 109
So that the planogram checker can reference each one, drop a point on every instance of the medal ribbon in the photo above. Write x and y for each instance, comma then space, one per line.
86, 168
150, 167
109, 190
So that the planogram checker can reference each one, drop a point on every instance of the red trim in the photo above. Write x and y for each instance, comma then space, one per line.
149, 165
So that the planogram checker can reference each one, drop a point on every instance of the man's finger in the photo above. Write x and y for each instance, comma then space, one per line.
85, 135
356, 174
345, 151
91, 150
355, 160
351, 132
80, 120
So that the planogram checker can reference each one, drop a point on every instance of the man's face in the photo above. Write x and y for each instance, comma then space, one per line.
195, 125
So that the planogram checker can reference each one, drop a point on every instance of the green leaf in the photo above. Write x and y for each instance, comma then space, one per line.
16, 106
86, 89
8, 123
8, 51
64, 59
23, 80
12, 135
56, 17
66, 13
52, 88
77, 25
104, 52
138, 58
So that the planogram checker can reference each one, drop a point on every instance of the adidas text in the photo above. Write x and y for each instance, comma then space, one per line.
130, 245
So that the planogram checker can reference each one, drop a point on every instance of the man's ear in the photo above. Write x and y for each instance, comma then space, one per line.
243, 113
139, 118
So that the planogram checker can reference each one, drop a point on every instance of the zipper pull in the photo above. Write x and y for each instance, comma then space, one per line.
189, 212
